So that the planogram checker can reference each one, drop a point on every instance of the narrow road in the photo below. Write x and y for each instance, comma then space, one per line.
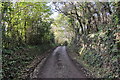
59, 65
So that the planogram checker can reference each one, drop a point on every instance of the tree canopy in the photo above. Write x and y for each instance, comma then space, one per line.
94, 29
25, 23
89, 29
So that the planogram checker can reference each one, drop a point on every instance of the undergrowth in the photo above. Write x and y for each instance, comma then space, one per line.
16, 60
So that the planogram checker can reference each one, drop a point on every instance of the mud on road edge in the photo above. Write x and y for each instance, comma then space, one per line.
79, 65
34, 64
